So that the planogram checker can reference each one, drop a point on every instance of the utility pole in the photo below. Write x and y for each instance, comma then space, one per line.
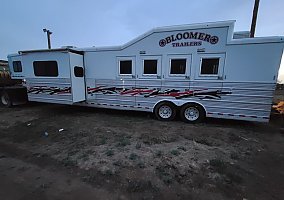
254, 18
48, 33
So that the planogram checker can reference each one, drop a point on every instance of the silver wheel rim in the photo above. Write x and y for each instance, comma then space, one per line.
165, 112
4, 100
191, 113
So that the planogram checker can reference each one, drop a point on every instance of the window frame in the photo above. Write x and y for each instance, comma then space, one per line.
186, 66
126, 58
143, 61
213, 75
17, 61
45, 75
119, 68
140, 68
188, 73
198, 63
170, 68
83, 74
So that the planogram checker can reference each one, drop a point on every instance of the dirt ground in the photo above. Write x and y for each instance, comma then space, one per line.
108, 154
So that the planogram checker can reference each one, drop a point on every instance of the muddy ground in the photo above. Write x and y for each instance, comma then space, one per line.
107, 154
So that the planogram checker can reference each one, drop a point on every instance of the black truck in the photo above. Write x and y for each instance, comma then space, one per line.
12, 92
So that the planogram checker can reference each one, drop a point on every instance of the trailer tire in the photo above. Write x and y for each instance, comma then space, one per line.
192, 113
6, 99
165, 111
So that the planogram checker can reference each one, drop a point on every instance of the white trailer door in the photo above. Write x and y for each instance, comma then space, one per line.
149, 80
209, 68
78, 87
176, 73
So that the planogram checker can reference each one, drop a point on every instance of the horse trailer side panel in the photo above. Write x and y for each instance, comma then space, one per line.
181, 65
48, 77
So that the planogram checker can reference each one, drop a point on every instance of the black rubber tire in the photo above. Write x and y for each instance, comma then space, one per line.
170, 106
5, 99
199, 108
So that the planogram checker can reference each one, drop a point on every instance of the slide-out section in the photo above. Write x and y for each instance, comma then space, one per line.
53, 76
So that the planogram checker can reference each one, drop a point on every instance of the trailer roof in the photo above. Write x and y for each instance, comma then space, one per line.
72, 50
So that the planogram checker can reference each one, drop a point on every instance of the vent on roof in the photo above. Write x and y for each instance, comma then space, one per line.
241, 34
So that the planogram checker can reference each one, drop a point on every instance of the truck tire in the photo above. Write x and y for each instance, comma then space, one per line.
165, 111
6, 99
192, 113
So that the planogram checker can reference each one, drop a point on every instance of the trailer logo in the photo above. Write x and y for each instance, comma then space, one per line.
188, 35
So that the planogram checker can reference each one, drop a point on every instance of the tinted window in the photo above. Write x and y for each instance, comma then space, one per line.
150, 66
78, 71
125, 67
210, 66
17, 66
45, 68
178, 66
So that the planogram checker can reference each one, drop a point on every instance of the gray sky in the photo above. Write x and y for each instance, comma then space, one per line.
88, 23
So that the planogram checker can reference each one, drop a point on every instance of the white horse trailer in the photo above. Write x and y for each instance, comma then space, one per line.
197, 71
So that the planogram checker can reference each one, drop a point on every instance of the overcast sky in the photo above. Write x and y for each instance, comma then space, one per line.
85, 23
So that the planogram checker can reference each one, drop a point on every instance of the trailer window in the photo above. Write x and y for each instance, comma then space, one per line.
125, 67
150, 66
17, 66
78, 71
209, 66
178, 66
45, 68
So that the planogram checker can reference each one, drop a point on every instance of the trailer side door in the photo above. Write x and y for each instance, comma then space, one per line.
78, 85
